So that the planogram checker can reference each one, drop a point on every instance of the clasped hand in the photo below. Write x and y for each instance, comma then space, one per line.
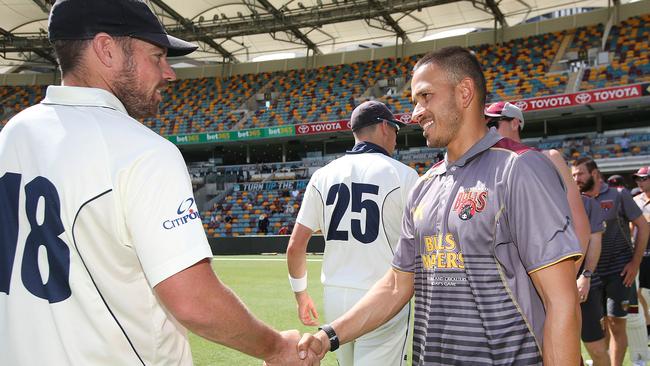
307, 350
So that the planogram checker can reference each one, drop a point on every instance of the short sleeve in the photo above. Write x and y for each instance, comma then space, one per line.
311, 208
595, 214
630, 209
161, 216
538, 213
404, 258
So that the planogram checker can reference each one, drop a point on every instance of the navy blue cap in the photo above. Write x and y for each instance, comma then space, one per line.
372, 112
83, 19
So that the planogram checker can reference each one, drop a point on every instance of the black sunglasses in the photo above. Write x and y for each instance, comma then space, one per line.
494, 121
390, 123
641, 179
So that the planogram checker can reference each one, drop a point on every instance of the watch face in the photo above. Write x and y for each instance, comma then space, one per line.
587, 273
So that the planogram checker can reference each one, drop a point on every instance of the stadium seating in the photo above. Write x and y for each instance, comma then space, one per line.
586, 38
596, 145
519, 68
16, 98
327, 93
238, 213
219, 107
628, 43
516, 69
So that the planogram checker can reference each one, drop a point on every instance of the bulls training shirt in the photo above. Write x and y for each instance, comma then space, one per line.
473, 231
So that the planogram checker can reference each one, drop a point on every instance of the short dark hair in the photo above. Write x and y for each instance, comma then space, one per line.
365, 130
458, 63
69, 52
589, 163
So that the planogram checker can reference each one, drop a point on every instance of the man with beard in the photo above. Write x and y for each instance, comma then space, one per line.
487, 244
104, 260
618, 264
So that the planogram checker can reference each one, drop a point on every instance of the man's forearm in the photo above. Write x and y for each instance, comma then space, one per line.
297, 250
231, 324
382, 302
558, 291
205, 306
593, 251
562, 335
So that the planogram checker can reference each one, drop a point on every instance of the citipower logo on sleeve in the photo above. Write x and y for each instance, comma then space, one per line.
185, 212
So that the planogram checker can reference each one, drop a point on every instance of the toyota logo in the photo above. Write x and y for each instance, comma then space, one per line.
405, 118
303, 128
522, 104
583, 98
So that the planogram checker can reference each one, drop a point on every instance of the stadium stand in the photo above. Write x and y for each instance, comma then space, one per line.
239, 212
628, 45
14, 99
517, 69
220, 107
595, 145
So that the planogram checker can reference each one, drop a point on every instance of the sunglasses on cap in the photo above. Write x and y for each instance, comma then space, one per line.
494, 121
641, 179
390, 123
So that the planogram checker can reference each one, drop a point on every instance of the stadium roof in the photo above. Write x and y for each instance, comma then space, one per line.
241, 30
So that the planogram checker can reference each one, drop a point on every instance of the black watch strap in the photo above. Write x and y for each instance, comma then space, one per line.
331, 334
587, 273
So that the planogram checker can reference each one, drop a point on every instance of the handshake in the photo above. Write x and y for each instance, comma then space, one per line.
296, 350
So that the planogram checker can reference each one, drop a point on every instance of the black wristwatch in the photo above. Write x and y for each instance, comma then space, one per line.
334, 339
587, 273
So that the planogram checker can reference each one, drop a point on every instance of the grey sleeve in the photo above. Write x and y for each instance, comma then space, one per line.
404, 258
595, 214
630, 209
538, 213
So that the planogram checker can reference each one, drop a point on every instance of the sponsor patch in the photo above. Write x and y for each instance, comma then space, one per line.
606, 205
469, 202
186, 214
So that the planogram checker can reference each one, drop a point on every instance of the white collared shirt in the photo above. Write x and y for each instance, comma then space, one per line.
96, 209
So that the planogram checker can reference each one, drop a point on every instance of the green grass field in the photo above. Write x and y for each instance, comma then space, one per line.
261, 282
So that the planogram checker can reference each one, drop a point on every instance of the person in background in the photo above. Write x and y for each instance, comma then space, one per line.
357, 201
619, 264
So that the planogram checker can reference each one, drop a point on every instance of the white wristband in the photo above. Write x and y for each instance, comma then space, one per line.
298, 284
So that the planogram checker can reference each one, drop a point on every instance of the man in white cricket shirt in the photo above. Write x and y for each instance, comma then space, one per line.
357, 201
103, 258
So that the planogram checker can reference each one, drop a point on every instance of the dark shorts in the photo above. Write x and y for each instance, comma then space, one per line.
611, 295
592, 313
616, 297
644, 273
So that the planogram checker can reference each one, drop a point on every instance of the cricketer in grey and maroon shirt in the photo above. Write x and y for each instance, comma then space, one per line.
472, 233
619, 208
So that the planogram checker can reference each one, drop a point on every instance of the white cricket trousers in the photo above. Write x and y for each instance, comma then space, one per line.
384, 346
